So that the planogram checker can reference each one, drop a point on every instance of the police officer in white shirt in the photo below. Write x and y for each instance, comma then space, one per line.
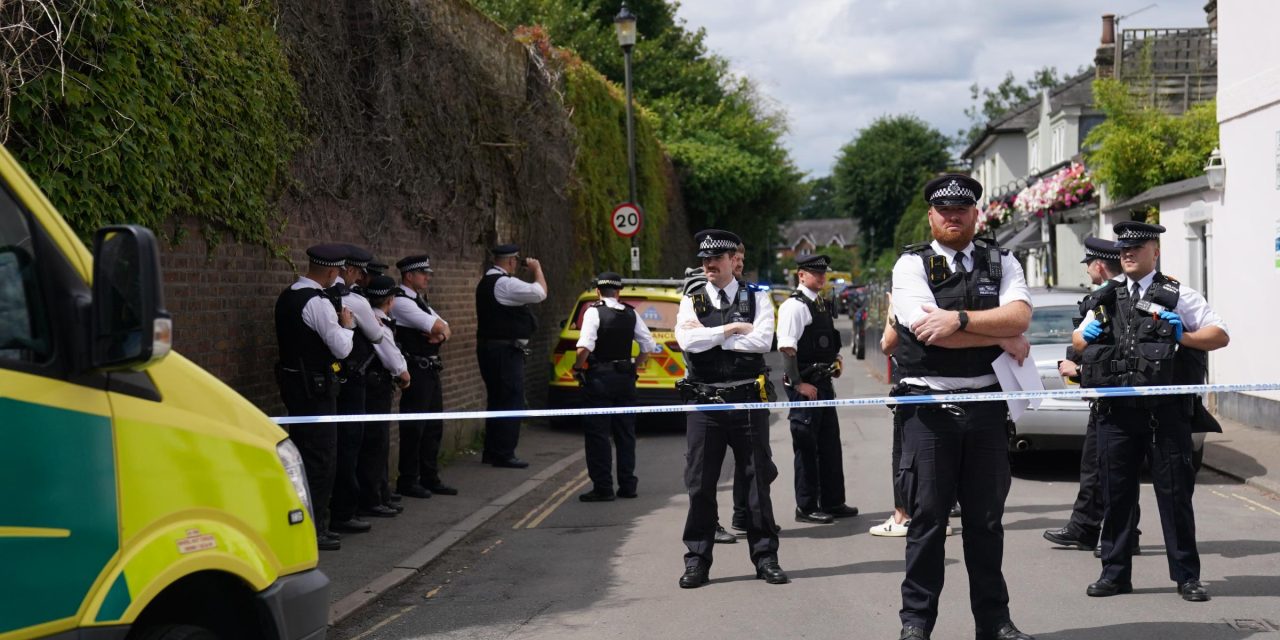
608, 377
381, 378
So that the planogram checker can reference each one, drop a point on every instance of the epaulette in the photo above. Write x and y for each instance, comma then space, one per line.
917, 247
988, 243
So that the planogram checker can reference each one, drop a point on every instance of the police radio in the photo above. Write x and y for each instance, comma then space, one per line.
1153, 308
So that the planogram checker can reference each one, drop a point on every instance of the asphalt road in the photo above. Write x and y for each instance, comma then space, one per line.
552, 567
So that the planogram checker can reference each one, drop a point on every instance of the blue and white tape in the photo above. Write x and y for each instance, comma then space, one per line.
951, 398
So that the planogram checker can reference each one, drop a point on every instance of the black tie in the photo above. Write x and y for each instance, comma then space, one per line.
960, 263
1137, 292
724, 300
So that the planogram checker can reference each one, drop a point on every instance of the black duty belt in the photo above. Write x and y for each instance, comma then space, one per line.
517, 343
718, 392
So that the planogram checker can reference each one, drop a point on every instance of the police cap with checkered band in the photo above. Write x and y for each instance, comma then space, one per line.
1132, 233
1099, 249
952, 190
715, 242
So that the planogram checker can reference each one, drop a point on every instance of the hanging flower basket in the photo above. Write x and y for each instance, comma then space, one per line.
1068, 187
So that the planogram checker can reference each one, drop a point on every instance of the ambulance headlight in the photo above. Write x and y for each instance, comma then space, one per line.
292, 462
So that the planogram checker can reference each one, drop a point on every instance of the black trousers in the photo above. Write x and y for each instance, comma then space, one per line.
502, 368
710, 434
420, 439
951, 451
606, 387
1163, 436
317, 443
1086, 513
815, 440
346, 488
375, 448
899, 418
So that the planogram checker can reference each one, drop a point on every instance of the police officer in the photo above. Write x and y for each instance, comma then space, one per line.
1137, 335
375, 268
810, 347
1102, 263
724, 328
314, 332
420, 332
381, 378
351, 398
504, 325
957, 304
608, 377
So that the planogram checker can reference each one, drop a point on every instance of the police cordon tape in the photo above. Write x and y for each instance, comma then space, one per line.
945, 398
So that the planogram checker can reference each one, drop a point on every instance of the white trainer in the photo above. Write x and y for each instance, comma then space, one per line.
891, 529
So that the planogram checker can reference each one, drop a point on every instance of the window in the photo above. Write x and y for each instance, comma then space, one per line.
24, 328
1059, 144
658, 315
1033, 155
1051, 325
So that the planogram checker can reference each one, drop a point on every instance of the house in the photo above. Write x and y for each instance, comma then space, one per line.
805, 236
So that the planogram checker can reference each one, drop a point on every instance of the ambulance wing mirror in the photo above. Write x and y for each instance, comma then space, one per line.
130, 327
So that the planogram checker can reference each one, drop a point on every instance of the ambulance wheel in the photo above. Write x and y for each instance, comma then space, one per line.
175, 632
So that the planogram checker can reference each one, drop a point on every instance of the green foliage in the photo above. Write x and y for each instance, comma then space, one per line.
913, 227
1138, 147
599, 119
818, 199
878, 174
991, 104
723, 137
165, 110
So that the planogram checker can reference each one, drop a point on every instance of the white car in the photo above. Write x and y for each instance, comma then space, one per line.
1058, 424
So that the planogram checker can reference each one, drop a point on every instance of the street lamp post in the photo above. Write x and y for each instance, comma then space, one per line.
625, 23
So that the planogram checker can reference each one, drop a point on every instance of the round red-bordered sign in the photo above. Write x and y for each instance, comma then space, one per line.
626, 219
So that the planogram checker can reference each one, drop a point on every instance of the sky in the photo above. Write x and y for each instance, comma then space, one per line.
834, 66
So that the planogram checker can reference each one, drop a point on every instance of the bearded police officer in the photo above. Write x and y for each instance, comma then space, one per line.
725, 327
608, 377
956, 304
314, 332
1139, 334
420, 331
810, 347
504, 325
1102, 263
388, 371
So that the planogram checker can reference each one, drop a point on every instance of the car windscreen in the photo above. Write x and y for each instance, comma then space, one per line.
1051, 325
658, 315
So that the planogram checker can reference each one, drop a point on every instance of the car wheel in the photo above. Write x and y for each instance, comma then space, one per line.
861, 345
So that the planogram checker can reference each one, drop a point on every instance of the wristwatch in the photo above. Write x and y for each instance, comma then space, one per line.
964, 319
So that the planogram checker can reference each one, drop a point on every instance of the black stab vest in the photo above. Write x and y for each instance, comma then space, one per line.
617, 331
411, 340
975, 290
820, 342
717, 364
496, 321
1135, 349
301, 345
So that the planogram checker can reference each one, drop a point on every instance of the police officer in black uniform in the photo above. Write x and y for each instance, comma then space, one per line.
608, 377
724, 328
381, 378
1140, 333
420, 331
810, 347
957, 304
314, 332
504, 325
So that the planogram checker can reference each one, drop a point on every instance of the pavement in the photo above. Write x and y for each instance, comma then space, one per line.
371, 565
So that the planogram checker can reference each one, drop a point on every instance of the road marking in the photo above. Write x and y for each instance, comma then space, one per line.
552, 508
384, 623
432, 593
1253, 504
565, 489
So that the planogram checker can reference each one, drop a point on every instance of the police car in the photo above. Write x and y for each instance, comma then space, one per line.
656, 301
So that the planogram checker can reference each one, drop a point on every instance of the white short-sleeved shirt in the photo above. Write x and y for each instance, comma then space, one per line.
514, 292
320, 316
793, 317
366, 323
591, 329
911, 292
388, 353
697, 340
1192, 306
408, 314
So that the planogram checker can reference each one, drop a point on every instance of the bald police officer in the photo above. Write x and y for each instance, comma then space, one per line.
957, 304
608, 377
1140, 333
314, 332
724, 328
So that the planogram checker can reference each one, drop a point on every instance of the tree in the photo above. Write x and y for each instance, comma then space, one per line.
818, 199
1140, 147
878, 173
991, 104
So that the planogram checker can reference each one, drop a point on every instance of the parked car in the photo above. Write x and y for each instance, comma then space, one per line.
1058, 424
657, 302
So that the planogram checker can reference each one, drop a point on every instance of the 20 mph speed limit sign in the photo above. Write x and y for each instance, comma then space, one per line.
626, 219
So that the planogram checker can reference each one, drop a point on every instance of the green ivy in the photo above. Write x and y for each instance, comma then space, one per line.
166, 110
598, 110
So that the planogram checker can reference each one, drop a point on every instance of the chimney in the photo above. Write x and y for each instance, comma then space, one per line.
1104, 61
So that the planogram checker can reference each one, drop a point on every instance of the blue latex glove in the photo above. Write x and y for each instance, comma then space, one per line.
1092, 331
1175, 320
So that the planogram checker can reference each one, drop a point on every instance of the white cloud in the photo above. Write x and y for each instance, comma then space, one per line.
836, 65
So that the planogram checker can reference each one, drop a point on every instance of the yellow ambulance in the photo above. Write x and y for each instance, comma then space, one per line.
140, 497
